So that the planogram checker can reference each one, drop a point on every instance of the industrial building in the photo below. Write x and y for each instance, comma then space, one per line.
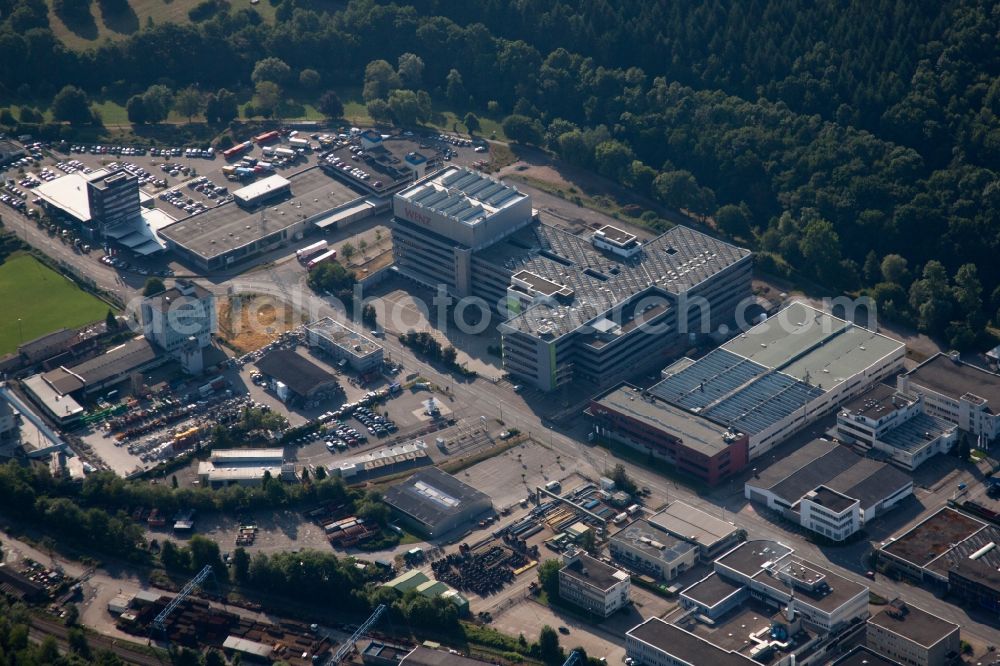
781, 375
704, 449
435, 502
294, 377
896, 425
913, 636
262, 191
381, 462
228, 467
425, 656
712, 535
344, 345
959, 393
228, 234
861, 655
181, 321
592, 585
106, 206
829, 489
659, 643
650, 551
770, 572
576, 308
949, 550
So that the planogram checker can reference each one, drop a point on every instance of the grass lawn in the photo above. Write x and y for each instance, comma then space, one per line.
80, 37
42, 299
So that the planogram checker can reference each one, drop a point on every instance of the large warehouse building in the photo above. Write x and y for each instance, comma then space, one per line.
828, 488
435, 502
576, 308
269, 213
782, 374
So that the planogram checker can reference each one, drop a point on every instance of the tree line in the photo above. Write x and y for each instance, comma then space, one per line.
818, 136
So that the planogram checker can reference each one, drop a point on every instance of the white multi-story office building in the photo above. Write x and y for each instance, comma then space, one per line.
897, 424
593, 585
181, 321
959, 393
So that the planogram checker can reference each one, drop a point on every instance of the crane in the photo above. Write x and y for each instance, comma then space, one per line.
348, 645
160, 622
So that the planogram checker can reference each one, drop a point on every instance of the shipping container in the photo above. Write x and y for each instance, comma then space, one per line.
237, 150
312, 250
284, 152
267, 137
299, 143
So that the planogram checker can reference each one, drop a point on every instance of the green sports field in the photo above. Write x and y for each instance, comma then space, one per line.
42, 299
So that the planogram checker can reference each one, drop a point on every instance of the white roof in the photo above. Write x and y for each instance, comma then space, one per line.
69, 193
261, 187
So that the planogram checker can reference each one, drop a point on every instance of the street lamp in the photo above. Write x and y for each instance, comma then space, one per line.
20, 331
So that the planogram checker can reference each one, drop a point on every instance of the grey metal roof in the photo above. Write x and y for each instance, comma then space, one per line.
708, 379
757, 406
671, 263
431, 496
917, 432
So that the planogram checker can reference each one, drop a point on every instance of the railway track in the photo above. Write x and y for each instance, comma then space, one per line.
42, 628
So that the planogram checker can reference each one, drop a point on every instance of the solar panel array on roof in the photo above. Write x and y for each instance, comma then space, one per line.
713, 377
766, 401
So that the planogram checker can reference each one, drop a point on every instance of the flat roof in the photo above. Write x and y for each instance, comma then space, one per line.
466, 196
934, 536
422, 656
977, 544
247, 646
672, 263
696, 432
262, 187
954, 379
431, 496
711, 590
828, 497
343, 337
238, 471
749, 557
916, 433
183, 291
977, 571
877, 402
55, 402
864, 656
831, 592
836, 466
684, 645
69, 193
655, 543
765, 374
913, 623
591, 571
693, 524
227, 227
248, 454
295, 371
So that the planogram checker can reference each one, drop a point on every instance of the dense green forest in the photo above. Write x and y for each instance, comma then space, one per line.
852, 143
